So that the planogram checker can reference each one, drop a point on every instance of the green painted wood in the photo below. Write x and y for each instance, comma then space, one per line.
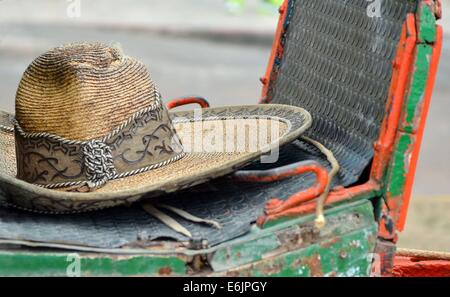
417, 90
342, 223
413, 107
427, 24
400, 165
75, 264
348, 255
240, 254
349, 235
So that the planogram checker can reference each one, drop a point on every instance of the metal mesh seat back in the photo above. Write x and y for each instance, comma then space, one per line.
337, 64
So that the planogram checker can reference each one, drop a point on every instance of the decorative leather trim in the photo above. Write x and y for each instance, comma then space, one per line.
146, 141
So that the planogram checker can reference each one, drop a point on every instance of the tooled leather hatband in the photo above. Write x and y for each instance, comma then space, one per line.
146, 141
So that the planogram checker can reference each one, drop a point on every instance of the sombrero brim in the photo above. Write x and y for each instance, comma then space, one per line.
195, 168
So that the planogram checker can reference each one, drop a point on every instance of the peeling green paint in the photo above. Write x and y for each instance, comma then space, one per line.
304, 239
427, 26
395, 179
418, 86
413, 107
347, 257
57, 264
399, 170
240, 254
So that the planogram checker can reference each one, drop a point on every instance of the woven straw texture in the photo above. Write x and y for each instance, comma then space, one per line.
200, 164
68, 88
202, 161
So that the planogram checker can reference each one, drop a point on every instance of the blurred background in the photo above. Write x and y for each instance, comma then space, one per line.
217, 49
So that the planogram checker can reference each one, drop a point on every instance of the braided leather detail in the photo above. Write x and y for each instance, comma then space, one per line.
98, 162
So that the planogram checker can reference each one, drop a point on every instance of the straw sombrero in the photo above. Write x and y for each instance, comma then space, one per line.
91, 132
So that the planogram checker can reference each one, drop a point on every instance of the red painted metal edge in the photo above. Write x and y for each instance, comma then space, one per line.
335, 197
267, 176
400, 78
188, 100
437, 48
383, 148
407, 267
277, 50
276, 206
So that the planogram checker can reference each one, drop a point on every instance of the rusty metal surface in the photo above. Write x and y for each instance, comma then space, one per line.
342, 248
411, 267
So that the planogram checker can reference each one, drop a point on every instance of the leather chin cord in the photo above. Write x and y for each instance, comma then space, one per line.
335, 167
155, 211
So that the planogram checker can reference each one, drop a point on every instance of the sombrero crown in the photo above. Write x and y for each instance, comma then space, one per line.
81, 112
67, 88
